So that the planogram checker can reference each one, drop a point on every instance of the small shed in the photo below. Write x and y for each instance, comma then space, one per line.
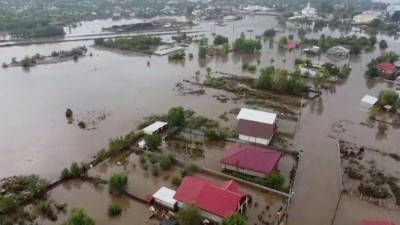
165, 197
338, 50
155, 128
368, 101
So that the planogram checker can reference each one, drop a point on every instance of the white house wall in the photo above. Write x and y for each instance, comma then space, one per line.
261, 141
234, 168
204, 214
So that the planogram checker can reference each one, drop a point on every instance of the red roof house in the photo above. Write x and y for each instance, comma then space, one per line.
388, 70
291, 45
366, 222
251, 160
215, 201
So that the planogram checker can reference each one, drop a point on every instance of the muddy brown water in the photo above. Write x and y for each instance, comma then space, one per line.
141, 184
36, 138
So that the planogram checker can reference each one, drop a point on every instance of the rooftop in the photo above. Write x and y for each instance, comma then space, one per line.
387, 66
256, 116
220, 200
255, 129
166, 195
369, 99
261, 160
154, 127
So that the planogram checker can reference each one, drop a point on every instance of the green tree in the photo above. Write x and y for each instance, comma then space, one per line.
275, 180
396, 16
225, 49
375, 23
220, 40
203, 51
372, 41
383, 44
208, 71
373, 71
321, 79
153, 141
234, 219
266, 79
118, 183
189, 215
282, 42
79, 217
388, 97
176, 117
270, 32
280, 79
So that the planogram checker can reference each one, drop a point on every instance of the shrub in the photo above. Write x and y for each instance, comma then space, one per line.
383, 44
8, 204
176, 179
68, 113
270, 32
142, 159
166, 162
153, 142
65, 175
102, 155
153, 158
189, 169
155, 171
118, 183
75, 170
118, 144
220, 40
114, 210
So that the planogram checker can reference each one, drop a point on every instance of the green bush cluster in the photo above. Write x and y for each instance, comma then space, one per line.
74, 171
118, 183
177, 55
114, 210
246, 45
135, 43
270, 32
274, 180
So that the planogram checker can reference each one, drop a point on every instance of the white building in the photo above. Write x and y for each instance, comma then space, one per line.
155, 127
256, 126
165, 197
309, 11
368, 101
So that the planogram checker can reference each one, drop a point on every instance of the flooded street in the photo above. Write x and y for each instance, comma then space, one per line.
36, 137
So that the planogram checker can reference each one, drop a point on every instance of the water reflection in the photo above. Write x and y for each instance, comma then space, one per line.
317, 106
381, 134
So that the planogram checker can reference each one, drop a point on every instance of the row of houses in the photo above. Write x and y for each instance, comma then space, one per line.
217, 201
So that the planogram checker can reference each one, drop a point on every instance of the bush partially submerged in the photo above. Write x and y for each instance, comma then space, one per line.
114, 210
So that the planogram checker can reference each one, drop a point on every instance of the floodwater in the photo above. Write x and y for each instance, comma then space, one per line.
95, 200
141, 184
36, 137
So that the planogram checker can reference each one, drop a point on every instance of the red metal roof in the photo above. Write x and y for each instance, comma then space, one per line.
255, 129
261, 160
387, 66
366, 222
291, 44
219, 200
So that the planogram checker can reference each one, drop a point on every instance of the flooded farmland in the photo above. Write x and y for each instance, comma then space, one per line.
36, 137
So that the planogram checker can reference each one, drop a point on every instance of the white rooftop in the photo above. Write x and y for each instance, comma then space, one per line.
154, 127
166, 195
256, 116
368, 99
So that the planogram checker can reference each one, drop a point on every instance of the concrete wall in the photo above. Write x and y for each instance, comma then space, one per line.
234, 168
261, 141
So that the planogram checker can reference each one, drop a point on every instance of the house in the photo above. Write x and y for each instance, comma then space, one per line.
338, 50
256, 126
365, 17
388, 70
215, 202
367, 222
369, 101
155, 127
312, 50
165, 197
308, 11
291, 45
251, 160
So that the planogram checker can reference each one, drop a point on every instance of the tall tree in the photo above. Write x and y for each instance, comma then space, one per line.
176, 117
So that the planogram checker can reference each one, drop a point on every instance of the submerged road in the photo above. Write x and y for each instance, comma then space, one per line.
316, 187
